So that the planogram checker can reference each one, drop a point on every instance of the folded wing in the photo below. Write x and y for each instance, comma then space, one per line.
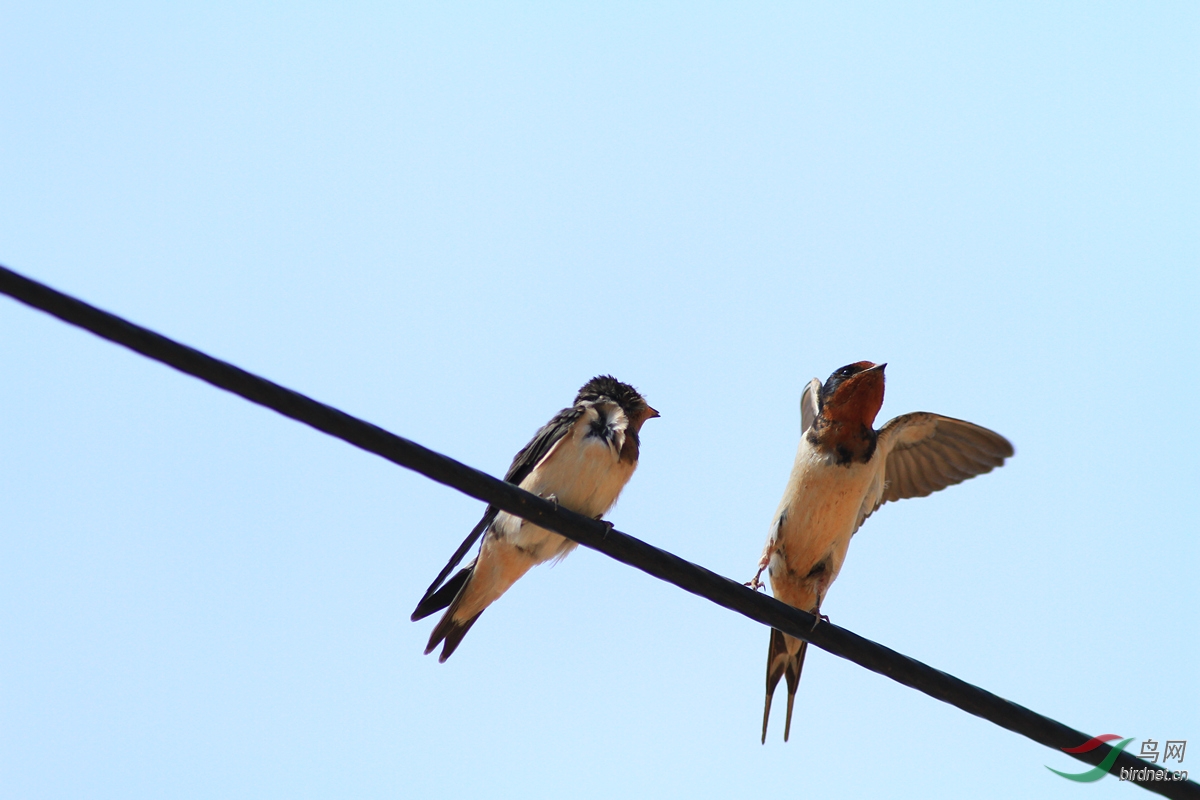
810, 406
439, 596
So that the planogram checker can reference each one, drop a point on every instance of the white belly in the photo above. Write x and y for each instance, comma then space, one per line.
822, 504
585, 474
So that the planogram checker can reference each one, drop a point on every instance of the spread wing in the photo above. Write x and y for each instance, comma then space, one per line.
522, 464
809, 406
924, 453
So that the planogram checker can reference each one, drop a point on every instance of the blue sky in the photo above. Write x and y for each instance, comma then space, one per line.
444, 222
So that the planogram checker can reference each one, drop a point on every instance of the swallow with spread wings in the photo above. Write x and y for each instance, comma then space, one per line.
844, 470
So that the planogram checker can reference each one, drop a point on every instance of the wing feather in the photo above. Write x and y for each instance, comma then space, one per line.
522, 464
810, 406
541, 443
958, 459
910, 473
926, 452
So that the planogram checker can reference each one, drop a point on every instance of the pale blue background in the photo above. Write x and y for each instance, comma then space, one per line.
446, 221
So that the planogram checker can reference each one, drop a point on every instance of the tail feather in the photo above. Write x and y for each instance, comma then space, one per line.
443, 597
795, 665
450, 630
781, 664
428, 605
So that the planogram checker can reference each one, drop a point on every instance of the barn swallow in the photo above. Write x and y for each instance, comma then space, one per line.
581, 459
844, 470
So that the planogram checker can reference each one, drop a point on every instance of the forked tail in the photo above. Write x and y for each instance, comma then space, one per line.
780, 664
448, 629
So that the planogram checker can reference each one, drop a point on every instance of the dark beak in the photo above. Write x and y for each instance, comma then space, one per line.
651, 413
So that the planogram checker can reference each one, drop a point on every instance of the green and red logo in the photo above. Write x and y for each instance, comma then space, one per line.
1100, 770
1173, 750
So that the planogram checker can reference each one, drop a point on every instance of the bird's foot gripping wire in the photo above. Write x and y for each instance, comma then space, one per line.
608, 526
756, 583
819, 619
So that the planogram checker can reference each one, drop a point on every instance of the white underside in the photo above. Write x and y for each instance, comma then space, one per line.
583, 473
824, 503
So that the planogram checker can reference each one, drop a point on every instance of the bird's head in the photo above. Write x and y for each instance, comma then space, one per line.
606, 387
853, 394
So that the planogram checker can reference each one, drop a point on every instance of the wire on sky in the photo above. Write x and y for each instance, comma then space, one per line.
586, 531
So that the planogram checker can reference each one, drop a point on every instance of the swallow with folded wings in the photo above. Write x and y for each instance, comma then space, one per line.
844, 470
580, 459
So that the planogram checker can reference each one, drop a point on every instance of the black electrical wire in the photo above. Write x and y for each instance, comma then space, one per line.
588, 532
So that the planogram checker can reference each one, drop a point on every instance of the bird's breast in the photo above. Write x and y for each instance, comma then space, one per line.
584, 472
816, 518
